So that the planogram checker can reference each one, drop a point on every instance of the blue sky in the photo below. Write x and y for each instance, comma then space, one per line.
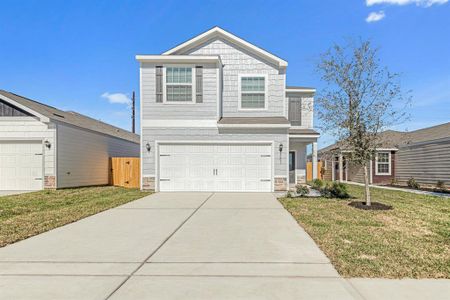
76, 55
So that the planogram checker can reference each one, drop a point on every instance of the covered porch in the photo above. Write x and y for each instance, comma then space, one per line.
302, 143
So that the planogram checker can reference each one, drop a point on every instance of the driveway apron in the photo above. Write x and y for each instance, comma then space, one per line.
175, 246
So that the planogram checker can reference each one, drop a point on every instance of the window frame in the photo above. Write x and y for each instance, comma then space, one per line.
240, 76
193, 84
389, 163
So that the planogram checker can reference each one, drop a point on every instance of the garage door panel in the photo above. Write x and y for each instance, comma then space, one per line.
21, 165
215, 167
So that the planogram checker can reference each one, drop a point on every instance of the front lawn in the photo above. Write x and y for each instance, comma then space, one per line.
411, 240
25, 215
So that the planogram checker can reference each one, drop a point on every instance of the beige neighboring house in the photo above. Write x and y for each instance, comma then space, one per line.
422, 154
44, 147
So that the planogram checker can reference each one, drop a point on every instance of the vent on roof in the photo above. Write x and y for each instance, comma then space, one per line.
61, 116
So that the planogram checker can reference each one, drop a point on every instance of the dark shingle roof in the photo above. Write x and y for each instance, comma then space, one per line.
303, 131
397, 139
72, 118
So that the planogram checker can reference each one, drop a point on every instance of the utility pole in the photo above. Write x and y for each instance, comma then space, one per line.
133, 114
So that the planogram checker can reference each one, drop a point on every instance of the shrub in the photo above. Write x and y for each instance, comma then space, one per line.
289, 194
302, 190
317, 184
440, 184
335, 190
412, 183
394, 181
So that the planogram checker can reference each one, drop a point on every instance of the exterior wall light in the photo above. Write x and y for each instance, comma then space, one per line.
280, 148
148, 147
47, 144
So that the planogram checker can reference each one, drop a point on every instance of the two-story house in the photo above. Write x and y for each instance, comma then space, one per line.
216, 115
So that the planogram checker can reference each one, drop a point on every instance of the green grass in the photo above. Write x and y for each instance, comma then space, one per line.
410, 241
25, 215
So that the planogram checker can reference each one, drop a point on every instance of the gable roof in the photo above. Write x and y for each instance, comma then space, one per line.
49, 113
219, 32
397, 139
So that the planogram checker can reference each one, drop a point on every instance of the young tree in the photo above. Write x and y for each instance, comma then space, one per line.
361, 99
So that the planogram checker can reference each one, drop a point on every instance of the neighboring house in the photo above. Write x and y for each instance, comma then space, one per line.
422, 154
44, 147
216, 115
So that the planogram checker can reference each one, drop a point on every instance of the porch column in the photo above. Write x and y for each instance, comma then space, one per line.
333, 170
314, 160
341, 167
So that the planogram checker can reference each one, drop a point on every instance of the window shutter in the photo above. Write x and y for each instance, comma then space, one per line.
199, 84
159, 84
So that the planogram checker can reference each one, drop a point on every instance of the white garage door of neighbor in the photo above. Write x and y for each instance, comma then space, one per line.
20, 165
215, 167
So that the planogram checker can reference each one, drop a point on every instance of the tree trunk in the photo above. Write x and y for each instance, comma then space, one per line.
366, 183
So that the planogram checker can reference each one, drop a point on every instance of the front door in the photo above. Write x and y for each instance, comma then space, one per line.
292, 167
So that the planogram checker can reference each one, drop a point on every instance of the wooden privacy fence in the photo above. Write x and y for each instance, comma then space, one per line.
125, 171
309, 176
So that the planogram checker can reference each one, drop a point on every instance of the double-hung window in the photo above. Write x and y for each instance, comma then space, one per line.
179, 87
383, 163
253, 92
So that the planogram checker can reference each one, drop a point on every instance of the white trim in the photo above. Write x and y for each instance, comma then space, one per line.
179, 123
178, 58
21, 139
302, 90
253, 125
193, 142
232, 38
168, 142
240, 76
292, 135
193, 84
141, 134
218, 92
41, 117
389, 164
386, 149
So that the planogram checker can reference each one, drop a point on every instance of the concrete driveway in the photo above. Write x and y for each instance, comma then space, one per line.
9, 193
175, 246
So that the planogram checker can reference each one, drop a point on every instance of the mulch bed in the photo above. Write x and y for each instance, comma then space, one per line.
373, 206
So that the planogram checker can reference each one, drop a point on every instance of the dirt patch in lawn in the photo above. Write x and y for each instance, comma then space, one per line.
373, 206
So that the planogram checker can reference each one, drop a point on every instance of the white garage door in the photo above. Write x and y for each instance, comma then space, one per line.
20, 165
215, 167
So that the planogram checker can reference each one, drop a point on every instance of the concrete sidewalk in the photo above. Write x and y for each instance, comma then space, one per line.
185, 246
420, 192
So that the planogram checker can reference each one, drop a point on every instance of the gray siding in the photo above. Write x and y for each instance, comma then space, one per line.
151, 110
30, 128
211, 134
355, 173
83, 156
238, 61
426, 162
307, 109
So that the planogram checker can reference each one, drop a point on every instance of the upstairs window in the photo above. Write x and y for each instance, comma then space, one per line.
253, 92
179, 84
383, 163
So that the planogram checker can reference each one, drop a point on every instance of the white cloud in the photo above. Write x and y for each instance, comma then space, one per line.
375, 16
117, 98
424, 3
